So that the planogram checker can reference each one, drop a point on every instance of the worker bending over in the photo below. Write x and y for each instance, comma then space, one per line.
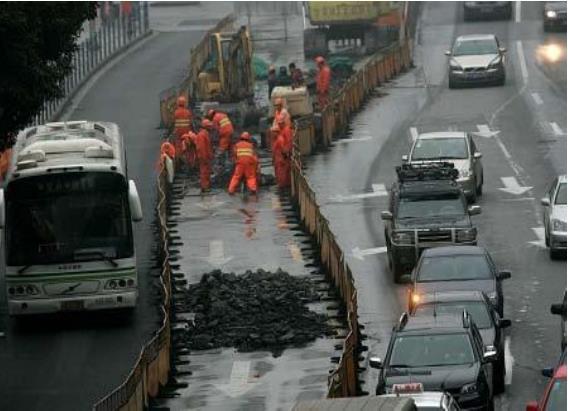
204, 151
246, 164
222, 123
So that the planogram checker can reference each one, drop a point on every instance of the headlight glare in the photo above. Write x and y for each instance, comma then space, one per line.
469, 388
558, 225
454, 65
495, 62
551, 14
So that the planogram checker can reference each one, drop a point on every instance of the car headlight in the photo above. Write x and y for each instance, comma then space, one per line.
469, 234
469, 388
465, 173
495, 62
551, 14
403, 238
558, 225
492, 297
454, 65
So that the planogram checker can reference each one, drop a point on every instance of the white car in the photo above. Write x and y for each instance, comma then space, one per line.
554, 214
456, 147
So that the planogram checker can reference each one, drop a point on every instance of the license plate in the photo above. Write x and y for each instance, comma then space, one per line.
73, 305
486, 10
413, 387
475, 75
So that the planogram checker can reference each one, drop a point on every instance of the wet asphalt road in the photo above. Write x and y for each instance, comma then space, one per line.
529, 114
69, 363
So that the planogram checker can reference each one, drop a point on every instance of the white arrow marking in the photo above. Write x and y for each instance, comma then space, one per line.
536, 98
556, 128
539, 232
413, 133
360, 254
522, 61
378, 191
512, 186
217, 254
238, 382
354, 140
485, 131
509, 362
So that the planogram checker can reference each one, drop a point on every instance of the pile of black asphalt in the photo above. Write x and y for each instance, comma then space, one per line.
253, 311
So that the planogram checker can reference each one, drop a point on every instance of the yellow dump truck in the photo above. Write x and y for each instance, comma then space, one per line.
348, 21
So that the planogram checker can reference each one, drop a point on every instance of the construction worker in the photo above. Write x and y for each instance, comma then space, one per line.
182, 125
168, 149
281, 154
271, 80
202, 145
280, 112
323, 80
297, 75
246, 164
222, 123
167, 156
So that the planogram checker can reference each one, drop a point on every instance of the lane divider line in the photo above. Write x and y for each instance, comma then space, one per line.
509, 362
518, 11
556, 128
536, 98
522, 61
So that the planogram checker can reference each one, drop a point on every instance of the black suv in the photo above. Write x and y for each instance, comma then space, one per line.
427, 208
483, 313
443, 353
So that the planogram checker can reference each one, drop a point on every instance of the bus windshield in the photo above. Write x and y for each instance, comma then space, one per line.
68, 217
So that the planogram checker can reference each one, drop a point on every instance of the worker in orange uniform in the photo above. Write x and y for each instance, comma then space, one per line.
204, 151
182, 124
246, 164
323, 80
280, 112
281, 154
224, 127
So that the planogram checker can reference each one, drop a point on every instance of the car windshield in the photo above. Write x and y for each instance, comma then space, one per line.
454, 268
557, 397
477, 310
69, 217
431, 350
561, 194
434, 206
475, 47
440, 148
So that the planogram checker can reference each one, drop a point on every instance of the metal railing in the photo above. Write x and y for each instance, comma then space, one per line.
112, 37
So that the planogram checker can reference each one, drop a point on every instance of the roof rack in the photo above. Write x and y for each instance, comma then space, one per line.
427, 172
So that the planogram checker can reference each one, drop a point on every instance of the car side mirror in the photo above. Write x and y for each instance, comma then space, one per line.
558, 309
375, 362
448, 53
532, 406
504, 275
405, 157
547, 372
502, 50
474, 210
134, 202
545, 201
2, 209
490, 353
504, 323
477, 155
386, 215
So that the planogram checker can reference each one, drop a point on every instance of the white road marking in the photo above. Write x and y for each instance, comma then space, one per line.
517, 199
536, 98
512, 186
217, 253
353, 140
556, 128
413, 133
360, 254
522, 61
379, 190
483, 130
239, 380
509, 361
539, 232
503, 149
518, 11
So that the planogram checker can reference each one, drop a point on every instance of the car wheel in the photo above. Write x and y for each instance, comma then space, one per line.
546, 237
555, 254
502, 79
499, 375
479, 189
473, 195
491, 405
451, 83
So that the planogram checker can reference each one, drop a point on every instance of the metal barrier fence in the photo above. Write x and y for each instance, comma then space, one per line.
343, 381
115, 35
152, 367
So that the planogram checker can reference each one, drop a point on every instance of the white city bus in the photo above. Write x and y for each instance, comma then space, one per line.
67, 208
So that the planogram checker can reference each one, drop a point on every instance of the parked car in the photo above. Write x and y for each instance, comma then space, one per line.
554, 396
554, 15
560, 309
425, 400
487, 10
483, 313
476, 58
452, 268
554, 217
443, 353
457, 147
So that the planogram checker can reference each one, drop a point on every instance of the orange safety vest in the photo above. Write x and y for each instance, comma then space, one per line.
223, 122
243, 150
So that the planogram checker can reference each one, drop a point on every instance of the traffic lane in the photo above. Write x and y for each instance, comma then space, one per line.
237, 234
71, 364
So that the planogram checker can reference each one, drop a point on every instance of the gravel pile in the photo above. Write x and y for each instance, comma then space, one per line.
252, 311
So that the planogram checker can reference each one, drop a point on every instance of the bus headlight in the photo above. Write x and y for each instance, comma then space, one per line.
23, 290
403, 238
467, 235
551, 14
119, 283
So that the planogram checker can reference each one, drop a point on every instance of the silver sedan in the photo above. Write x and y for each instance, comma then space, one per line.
554, 204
